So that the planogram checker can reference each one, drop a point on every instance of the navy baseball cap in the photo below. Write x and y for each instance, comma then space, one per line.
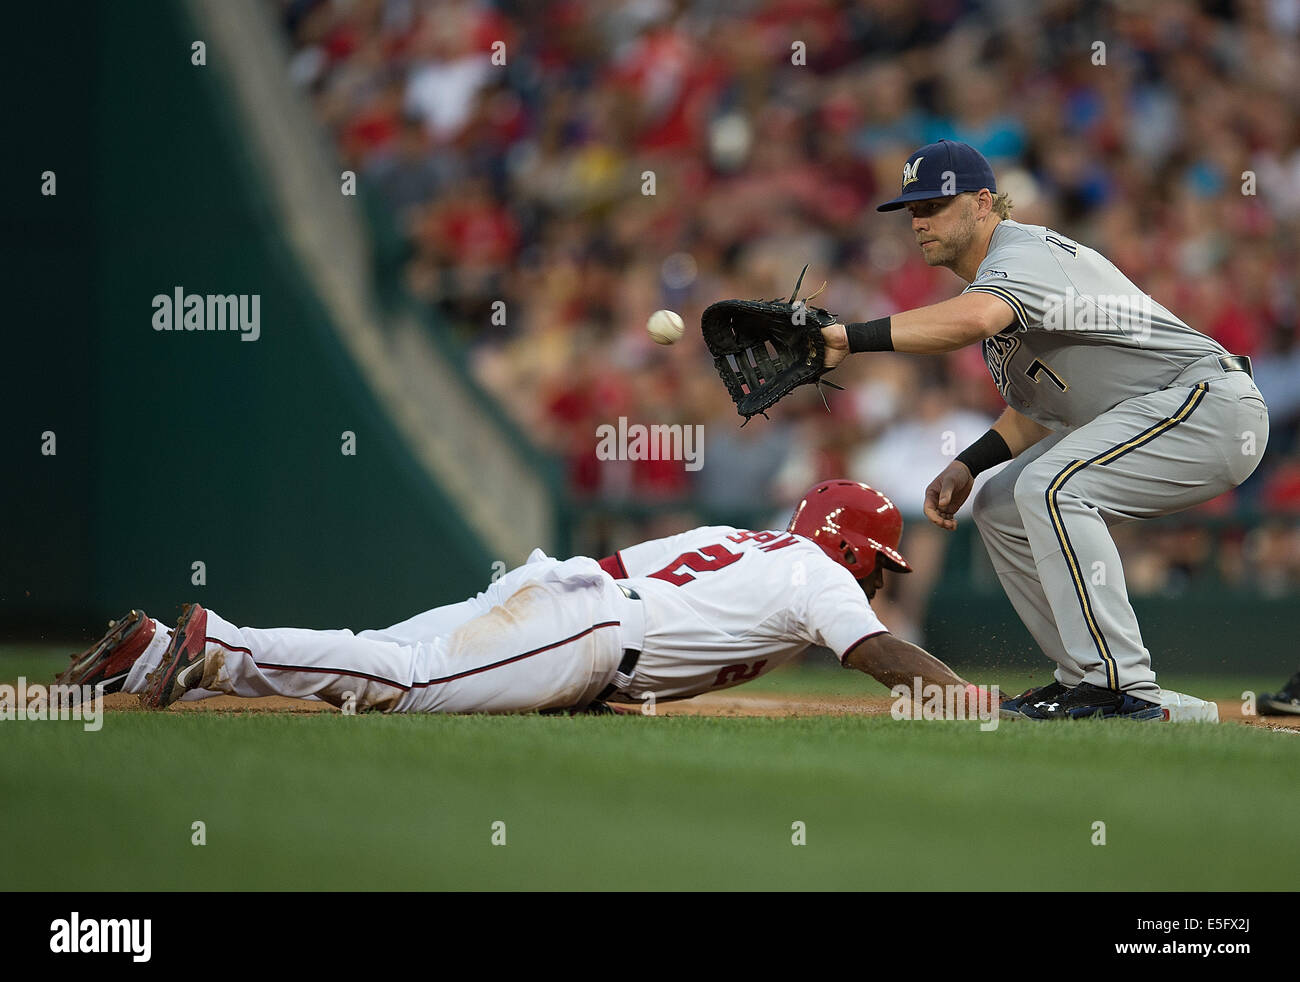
925, 172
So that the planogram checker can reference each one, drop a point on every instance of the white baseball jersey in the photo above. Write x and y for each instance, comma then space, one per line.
726, 605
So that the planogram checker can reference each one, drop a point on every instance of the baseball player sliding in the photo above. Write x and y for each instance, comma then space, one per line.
1116, 410
666, 619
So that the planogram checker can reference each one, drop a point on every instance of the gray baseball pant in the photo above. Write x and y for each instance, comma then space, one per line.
1045, 517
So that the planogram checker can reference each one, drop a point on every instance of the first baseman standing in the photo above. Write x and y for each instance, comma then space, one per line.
1116, 410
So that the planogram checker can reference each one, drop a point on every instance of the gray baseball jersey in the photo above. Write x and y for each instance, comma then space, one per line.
1085, 337
1147, 422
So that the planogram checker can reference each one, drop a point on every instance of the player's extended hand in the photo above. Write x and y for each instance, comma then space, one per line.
837, 344
947, 493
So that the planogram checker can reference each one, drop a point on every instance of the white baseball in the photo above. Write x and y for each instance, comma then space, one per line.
665, 327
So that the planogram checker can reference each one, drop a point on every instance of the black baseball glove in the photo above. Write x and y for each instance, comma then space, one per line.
765, 348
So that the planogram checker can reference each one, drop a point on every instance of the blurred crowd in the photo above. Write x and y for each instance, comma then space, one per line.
557, 171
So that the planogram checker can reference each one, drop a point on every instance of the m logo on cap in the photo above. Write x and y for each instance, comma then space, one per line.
909, 171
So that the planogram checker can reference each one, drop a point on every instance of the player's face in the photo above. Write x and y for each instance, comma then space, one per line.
944, 227
875, 581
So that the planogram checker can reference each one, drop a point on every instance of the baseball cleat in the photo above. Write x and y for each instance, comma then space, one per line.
1286, 702
1011, 708
1086, 700
182, 663
108, 661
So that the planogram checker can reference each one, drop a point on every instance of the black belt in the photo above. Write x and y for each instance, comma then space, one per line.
623, 678
1236, 363
627, 667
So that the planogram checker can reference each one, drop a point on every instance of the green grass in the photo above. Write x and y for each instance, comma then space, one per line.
407, 803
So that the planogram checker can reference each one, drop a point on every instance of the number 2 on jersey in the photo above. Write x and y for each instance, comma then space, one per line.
706, 560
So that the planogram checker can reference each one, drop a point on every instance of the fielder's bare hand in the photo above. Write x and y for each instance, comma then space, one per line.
837, 344
947, 493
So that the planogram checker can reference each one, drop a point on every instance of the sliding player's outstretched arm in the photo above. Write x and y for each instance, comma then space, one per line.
892, 661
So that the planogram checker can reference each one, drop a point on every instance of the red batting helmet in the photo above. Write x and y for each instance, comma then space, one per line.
853, 524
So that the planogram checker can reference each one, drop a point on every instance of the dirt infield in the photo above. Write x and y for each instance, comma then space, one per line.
779, 706
721, 705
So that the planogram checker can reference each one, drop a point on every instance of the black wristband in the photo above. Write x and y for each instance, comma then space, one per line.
988, 451
870, 335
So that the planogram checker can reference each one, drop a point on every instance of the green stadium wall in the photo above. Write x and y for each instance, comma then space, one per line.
175, 447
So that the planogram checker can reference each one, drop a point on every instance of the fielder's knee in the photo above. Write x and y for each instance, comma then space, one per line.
1031, 487
994, 506
982, 508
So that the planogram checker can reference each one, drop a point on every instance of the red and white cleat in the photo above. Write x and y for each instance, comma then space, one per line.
108, 661
183, 663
